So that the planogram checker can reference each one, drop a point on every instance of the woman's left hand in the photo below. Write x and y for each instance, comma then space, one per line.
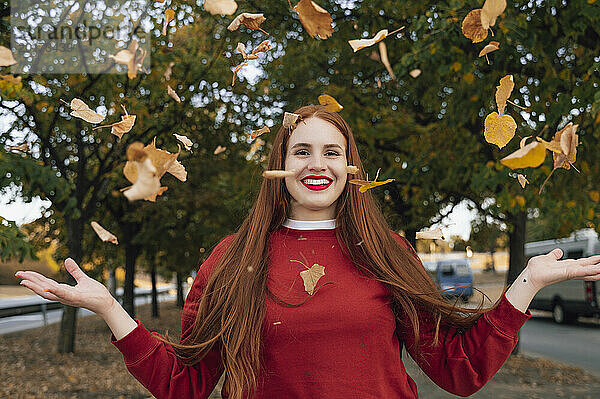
544, 270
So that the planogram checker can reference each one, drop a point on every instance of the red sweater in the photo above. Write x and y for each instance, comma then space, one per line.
341, 344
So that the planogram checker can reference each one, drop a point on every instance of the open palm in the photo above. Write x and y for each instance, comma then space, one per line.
88, 293
549, 269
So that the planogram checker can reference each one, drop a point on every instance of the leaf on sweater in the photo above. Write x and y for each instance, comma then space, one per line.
104, 234
220, 7
81, 110
255, 133
122, 127
472, 28
435, 234
249, 20
531, 155
316, 20
311, 276
6, 57
169, 16
330, 103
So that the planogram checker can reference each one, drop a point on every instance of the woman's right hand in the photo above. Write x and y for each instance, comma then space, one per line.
88, 293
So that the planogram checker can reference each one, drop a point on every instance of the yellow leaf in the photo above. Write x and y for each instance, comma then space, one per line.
522, 180
330, 103
316, 20
366, 185
530, 156
499, 129
571, 204
492, 46
456, 66
256, 133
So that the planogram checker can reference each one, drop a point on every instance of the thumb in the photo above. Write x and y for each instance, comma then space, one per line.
74, 270
557, 253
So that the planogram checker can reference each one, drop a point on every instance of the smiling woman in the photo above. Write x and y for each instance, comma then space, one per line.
315, 296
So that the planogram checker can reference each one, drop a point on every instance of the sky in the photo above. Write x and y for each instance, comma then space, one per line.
457, 223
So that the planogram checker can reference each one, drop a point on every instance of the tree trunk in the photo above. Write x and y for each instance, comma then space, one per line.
131, 254
154, 293
179, 289
68, 323
516, 238
411, 236
112, 281
493, 265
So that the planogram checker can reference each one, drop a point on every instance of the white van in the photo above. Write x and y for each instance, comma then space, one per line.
568, 299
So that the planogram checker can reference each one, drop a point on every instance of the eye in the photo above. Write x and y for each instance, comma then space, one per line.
301, 151
332, 153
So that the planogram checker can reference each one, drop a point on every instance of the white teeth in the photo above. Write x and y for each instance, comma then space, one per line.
314, 182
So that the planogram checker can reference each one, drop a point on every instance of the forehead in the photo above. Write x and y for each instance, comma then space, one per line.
317, 132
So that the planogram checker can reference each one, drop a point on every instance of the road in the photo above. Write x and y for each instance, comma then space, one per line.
577, 345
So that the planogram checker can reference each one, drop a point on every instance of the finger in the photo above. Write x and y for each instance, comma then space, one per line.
585, 271
74, 270
591, 260
556, 253
39, 290
35, 277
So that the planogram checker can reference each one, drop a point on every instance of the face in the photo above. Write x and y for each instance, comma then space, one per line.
317, 151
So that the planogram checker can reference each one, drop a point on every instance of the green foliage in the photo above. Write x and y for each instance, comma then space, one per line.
13, 242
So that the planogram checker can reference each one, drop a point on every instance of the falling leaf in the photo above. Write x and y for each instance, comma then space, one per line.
312, 276
256, 133
262, 47
122, 127
523, 141
522, 180
104, 234
503, 91
358, 44
490, 11
289, 119
6, 57
366, 185
241, 47
314, 19
330, 103
172, 93
435, 234
21, 147
187, 143
81, 110
169, 15
415, 73
492, 46
530, 156
133, 57
499, 129
278, 174
384, 59
168, 71
251, 21
219, 150
220, 7
568, 145
162, 160
351, 169
237, 68
472, 28
147, 181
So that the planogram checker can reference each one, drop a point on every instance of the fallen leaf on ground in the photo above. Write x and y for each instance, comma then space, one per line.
435, 234
172, 94
530, 156
81, 110
499, 129
122, 127
220, 7
255, 133
6, 57
330, 103
316, 20
104, 234
472, 28
249, 20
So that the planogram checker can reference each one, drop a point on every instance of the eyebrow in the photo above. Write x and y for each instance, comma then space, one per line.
308, 145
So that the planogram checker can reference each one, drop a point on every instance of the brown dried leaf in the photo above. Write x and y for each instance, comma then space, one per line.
492, 46
256, 133
330, 103
169, 15
187, 143
21, 147
172, 94
220, 7
568, 144
311, 277
385, 60
503, 92
122, 127
358, 44
104, 234
169, 70
6, 57
249, 20
147, 182
219, 150
314, 19
262, 47
490, 11
237, 68
435, 234
289, 119
81, 110
472, 28
522, 180
351, 169
415, 73
278, 174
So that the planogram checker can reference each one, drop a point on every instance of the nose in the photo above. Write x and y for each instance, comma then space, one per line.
316, 163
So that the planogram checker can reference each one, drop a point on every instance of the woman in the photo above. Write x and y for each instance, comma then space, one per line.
315, 296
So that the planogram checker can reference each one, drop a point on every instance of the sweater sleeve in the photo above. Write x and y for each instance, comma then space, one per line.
464, 360
154, 363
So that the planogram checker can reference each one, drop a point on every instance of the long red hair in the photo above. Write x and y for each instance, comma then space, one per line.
232, 308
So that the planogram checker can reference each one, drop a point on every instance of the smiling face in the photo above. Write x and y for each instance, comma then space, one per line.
316, 149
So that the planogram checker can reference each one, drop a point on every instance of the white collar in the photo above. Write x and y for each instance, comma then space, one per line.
309, 224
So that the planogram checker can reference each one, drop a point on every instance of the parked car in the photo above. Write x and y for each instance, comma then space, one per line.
452, 275
568, 299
